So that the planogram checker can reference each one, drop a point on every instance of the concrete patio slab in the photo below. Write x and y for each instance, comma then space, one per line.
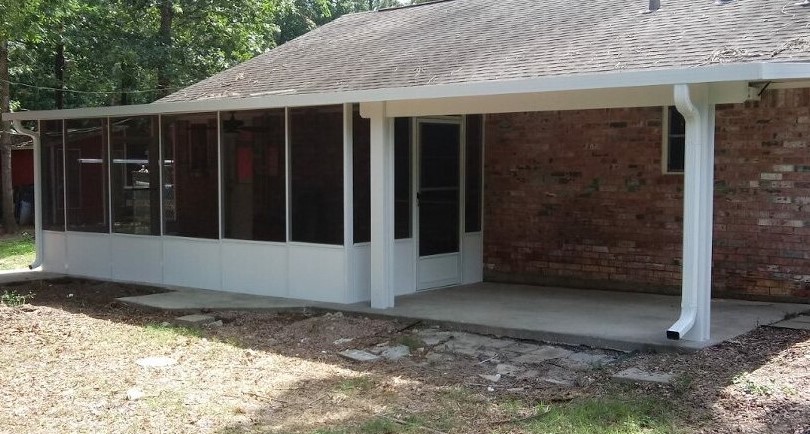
604, 319
190, 299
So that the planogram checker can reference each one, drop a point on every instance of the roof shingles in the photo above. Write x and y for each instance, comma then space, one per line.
481, 40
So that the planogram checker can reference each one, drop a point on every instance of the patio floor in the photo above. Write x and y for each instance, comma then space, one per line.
605, 319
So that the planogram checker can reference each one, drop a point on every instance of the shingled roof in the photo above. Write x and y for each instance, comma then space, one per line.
463, 41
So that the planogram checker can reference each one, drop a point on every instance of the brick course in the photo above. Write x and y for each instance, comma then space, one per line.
578, 198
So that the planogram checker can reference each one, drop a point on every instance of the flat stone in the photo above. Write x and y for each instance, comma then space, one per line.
636, 375
528, 374
213, 324
492, 378
155, 362
396, 353
433, 337
507, 369
359, 355
592, 360
523, 348
559, 377
543, 354
342, 341
195, 320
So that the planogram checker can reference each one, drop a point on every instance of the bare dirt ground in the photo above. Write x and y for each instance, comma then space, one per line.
69, 362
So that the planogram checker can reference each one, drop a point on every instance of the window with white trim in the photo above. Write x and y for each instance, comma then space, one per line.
674, 140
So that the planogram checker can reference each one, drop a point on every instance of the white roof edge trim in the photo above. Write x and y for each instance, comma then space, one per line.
609, 80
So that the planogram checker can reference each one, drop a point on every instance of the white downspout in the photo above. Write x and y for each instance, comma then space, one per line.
37, 193
694, 322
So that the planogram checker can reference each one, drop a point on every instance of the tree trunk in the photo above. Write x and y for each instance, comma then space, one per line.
165, 37
59, 73
9, 223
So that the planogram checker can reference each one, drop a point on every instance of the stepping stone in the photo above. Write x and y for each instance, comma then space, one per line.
359, 356
507, 369
396, 353
636, 375
543, 354
584, 361
195, 320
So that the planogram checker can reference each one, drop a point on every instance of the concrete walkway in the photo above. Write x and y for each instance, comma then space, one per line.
605, 319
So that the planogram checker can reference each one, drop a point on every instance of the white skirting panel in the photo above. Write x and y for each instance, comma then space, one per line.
360, 283
472, 269
53, 251
192, 262
318, 273
404, 267
137, 258
254, 268
88, 254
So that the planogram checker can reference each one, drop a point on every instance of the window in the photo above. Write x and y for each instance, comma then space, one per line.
402, 178
190, 176
135, 175
474, 155
316, 174
361, 154
86, 175
674, 140
253, 178
52, 164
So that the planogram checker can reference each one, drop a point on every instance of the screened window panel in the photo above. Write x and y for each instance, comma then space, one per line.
474, 144
402, 178
135, 175
316, 174
52, 164
86, 175
190, 176
253, 179
361, 145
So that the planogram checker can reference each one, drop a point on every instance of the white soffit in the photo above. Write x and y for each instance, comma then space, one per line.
613, 80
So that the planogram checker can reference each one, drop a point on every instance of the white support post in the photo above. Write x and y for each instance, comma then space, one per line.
694, 323
382, 205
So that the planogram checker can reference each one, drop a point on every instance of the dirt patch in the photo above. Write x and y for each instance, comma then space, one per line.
70, 364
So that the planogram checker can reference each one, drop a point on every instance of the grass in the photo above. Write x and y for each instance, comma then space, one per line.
167, 333
16, 252
605, 415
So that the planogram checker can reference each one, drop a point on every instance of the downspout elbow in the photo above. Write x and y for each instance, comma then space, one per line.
38, 258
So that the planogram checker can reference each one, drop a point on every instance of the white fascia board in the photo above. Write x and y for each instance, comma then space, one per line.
608, 80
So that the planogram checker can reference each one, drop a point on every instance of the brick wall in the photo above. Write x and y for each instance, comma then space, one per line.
578, 198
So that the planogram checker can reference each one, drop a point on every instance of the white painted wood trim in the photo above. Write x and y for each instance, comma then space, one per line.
763, 71
348, 199
382, 206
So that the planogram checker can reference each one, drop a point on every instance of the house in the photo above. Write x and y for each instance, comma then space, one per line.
22, 177
631, 146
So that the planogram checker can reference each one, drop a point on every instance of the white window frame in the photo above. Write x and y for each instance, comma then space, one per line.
665, 135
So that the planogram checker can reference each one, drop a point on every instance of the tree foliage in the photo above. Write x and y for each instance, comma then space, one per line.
107, 52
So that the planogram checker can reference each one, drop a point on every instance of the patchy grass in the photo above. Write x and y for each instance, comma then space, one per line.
605, 415
168, 333
16, 252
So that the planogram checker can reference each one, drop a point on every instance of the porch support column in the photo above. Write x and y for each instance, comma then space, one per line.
693, 103
382, 205
35, 138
